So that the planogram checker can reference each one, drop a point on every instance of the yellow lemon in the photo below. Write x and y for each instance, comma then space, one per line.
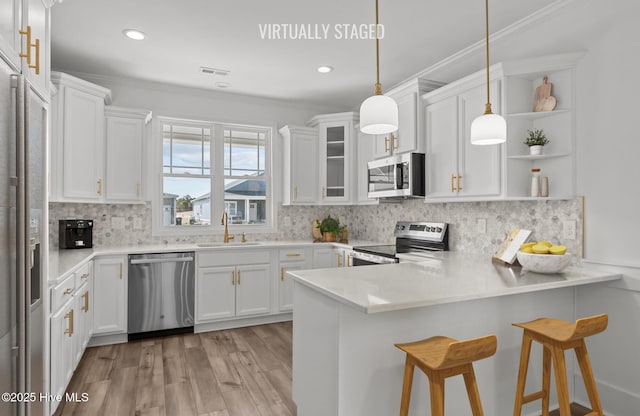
527, 245
526, 250
540, 249
557, 250
545, 243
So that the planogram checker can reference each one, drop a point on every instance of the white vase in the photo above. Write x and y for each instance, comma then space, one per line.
535, 150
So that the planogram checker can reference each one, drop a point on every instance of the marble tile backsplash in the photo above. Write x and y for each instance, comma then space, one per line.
122, 224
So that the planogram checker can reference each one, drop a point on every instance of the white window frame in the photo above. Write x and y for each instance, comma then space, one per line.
217, 181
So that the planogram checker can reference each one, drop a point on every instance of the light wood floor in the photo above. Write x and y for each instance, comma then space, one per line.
239, 372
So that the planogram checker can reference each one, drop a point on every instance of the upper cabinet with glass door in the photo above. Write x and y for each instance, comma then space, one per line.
336, 141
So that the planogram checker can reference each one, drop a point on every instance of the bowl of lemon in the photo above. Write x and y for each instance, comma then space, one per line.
543, 257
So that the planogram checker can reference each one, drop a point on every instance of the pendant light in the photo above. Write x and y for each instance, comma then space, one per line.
489, 128
378, 113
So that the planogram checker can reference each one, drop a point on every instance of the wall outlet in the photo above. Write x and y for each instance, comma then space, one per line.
481, 226
117, 223
137, 223
569, 230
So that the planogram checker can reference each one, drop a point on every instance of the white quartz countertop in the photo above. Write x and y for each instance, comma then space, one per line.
447, 277
62, 262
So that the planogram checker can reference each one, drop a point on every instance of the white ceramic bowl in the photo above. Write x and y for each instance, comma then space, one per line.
544, 263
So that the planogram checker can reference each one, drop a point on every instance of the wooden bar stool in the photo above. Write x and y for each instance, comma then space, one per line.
442, 357
556, 336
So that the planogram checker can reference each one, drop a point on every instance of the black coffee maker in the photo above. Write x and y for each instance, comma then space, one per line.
75, 233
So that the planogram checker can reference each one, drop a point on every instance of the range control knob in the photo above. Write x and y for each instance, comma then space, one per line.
439, 229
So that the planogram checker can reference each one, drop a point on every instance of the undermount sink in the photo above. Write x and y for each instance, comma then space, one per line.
226, 244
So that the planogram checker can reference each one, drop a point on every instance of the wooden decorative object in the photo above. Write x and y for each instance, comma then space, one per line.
544, 101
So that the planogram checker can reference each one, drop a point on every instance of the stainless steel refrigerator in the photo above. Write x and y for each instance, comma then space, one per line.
22, 157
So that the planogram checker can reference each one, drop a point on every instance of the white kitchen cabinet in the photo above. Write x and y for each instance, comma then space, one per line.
125, 132
82, 321
300, 165
342, 257
455, 167
323, 257
292, 258
232, 284
77, 144
62, 349
336, 143
15, 17
409, 137
110, 302
36, 15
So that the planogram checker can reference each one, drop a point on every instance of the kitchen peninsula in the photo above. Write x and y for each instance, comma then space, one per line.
346, 322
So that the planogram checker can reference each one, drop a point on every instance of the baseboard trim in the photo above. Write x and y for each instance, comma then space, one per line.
99, 340
615, 401
242, 322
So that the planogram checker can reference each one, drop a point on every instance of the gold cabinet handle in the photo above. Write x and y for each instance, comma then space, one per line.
138, 188
68, 290
295, 192
28, 54
282, 274
386, 144
238, 276
293, 254
85, 296
99, 186
84, 275
453, 177
37, 65
394, 141
348, 261
120, 271
69, 316
233, 277
459, 187
323, 192
339, 260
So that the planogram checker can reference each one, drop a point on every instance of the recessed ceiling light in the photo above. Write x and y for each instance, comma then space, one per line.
134, 34
325, 69
222, 84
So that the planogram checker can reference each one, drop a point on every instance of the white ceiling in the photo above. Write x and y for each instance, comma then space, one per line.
185, 35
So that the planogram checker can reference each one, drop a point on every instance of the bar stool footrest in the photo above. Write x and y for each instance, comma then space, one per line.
593, 414
533, 396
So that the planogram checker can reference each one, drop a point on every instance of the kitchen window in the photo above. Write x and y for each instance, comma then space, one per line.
208, 168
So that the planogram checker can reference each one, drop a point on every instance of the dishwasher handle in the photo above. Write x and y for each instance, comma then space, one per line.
163, 260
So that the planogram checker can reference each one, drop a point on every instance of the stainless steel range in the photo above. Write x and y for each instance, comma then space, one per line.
413, 241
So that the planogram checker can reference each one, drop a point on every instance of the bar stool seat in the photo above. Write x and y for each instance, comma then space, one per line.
556, 336
441, 357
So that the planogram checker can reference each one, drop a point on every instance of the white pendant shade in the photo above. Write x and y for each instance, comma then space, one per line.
378, 115
488, 129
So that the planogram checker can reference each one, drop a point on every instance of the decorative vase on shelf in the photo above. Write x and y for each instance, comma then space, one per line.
329, 236
535, 150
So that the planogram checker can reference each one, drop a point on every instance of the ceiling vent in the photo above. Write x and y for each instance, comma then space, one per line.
214, 71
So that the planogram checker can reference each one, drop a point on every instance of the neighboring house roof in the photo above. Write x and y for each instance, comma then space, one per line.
240, 187
167, 195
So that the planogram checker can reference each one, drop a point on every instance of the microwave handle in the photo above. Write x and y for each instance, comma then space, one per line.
398, 175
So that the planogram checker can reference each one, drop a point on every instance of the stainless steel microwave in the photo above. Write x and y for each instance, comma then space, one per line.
397, 176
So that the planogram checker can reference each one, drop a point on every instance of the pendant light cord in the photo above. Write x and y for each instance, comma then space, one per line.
486, 8
378, 85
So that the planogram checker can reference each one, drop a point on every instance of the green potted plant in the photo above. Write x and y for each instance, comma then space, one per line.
330, 228
535, 139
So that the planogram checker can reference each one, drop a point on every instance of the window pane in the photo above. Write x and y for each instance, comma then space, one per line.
186, 201
186, 149
244, 153
245, 200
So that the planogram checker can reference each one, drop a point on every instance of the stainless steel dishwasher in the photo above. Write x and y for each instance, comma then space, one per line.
161, 293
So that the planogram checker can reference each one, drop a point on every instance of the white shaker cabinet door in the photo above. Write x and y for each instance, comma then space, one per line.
110, 302
62, 340
479, 165
253, 289
215, 293
304, 171
285, 286
124, 158
83, 148
441, 120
